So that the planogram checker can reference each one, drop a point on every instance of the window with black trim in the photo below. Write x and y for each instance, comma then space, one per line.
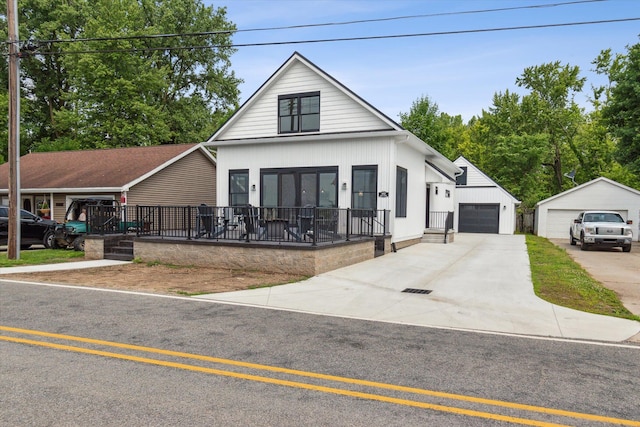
299, 112
364, 188
239, 187
291, 187
462, 178
401, 192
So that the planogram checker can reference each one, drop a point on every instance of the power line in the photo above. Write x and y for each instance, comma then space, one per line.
344, 39
325, 24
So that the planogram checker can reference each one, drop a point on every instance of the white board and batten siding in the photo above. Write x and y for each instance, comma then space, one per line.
482, 190
555, 214
338, 111
341, 153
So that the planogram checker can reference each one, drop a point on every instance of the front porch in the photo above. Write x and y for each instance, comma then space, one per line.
301, 240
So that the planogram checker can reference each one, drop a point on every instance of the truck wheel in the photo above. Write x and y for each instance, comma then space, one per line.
583, 245
78, 244
626, 248
572, 241
48, 240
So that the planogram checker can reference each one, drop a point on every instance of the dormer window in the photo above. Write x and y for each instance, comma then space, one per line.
299, 112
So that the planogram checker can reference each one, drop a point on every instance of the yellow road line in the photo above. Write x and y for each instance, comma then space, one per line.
433, 393
369, 396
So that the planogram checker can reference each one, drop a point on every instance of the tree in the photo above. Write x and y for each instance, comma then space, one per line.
94, 80
621, 110
550, 109
440, 130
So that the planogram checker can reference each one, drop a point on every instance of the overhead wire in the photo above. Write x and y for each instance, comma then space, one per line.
324, 24
343, 39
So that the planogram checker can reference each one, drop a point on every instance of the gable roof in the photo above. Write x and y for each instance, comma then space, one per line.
587, 184
296, 59
462, 161
112, 169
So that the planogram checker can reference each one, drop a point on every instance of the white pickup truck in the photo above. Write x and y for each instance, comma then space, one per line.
601, 228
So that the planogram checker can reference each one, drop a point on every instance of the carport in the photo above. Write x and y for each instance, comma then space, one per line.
555, 214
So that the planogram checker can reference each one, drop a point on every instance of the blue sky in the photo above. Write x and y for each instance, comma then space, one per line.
460, 72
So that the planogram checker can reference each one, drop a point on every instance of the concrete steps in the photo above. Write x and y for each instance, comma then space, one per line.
437, 236
121, 250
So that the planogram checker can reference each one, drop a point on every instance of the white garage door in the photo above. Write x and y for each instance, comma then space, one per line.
559, 221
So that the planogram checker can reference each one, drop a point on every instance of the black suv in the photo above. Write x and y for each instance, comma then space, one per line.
33, 229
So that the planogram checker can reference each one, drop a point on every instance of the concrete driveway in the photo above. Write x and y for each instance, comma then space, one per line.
616, 270
479, 282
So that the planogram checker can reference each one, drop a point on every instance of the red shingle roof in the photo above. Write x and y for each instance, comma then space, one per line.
90, 168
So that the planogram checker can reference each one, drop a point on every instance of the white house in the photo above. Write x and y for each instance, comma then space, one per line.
555, 214
482, 206
304, 138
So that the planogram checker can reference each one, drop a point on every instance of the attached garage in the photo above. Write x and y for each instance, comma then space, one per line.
555, 214
479, 218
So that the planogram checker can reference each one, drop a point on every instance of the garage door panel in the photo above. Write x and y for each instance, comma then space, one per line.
559, 222
479, 218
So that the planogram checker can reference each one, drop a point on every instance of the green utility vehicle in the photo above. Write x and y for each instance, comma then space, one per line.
83, 215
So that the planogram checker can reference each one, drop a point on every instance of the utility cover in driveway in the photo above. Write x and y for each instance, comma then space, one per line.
479, 218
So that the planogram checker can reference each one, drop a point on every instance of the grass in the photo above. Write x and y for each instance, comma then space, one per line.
558, 279
43, 256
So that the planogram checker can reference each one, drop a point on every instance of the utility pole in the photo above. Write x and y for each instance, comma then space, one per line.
13, 243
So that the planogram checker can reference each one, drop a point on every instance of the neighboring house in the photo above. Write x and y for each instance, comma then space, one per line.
555, 214
305, 139
482, 206
180, 174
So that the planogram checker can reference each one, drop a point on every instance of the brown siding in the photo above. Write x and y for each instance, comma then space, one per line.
189, 181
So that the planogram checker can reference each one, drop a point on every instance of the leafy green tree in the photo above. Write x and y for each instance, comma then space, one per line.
440, 130
621, 110
550, 110
97, 74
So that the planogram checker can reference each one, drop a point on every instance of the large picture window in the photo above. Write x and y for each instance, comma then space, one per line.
299, 113
364, 187
401, 192
239, 187
299, 187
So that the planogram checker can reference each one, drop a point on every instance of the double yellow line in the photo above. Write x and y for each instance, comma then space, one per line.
302, 385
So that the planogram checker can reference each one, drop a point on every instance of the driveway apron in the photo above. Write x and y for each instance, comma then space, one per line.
479, 282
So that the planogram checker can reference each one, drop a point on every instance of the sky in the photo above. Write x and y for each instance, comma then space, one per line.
460, 72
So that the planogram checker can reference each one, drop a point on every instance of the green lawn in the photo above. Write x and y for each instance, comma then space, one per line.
560, 280
42, 256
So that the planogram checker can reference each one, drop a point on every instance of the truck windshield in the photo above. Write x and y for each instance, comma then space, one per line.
603, 217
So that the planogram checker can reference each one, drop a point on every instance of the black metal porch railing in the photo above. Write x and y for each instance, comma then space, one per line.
309, 224
440, 220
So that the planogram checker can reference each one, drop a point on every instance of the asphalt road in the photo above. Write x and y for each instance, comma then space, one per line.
128, 360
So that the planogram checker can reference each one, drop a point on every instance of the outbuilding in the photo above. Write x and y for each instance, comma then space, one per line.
482, 206
555, 214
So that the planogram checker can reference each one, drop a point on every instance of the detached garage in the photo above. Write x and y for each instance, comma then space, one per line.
482, 206
555, 214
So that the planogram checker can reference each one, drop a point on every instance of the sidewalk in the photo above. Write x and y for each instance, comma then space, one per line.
480, 282
61, 266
